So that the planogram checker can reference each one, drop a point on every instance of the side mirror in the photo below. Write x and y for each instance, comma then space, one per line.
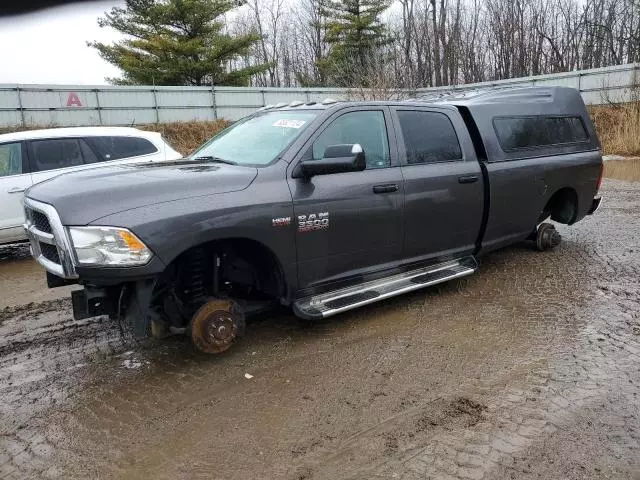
337, 159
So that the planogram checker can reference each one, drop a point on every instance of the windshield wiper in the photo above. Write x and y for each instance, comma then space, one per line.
209, 158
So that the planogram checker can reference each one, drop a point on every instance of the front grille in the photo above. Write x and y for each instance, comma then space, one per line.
50, 252
50, 245
40, 221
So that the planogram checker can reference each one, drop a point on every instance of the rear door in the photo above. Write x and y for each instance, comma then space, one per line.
442, 181
14, 180
358, 214
124, 149
55, 156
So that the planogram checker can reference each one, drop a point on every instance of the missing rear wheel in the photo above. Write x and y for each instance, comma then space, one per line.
547, 237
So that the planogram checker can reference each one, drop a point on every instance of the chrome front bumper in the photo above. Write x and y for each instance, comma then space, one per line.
62, 264
595, 204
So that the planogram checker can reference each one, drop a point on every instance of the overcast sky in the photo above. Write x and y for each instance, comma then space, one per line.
49, 46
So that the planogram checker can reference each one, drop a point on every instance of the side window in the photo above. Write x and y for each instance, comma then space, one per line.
114, 148
56, 153
88, 154
11, 159
535, 132
367, 128
429, 137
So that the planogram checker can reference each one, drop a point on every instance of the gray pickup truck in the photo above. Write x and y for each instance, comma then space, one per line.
323, 207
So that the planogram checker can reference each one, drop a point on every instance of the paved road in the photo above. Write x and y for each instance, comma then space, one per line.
528, 369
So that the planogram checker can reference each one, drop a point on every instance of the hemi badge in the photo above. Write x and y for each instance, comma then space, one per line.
281, 222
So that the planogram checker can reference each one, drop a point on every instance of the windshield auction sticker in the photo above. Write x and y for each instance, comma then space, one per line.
289, 123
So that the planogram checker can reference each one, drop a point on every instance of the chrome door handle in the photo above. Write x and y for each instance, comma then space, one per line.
17, 190
468, 179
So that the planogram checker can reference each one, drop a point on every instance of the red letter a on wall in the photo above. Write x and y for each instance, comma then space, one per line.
73, 100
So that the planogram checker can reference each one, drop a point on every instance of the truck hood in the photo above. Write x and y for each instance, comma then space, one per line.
87, 195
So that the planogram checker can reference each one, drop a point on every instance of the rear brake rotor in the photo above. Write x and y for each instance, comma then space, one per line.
216, 325
547, 237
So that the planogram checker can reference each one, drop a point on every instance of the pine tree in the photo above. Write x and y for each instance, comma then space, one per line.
176, 42
355, 34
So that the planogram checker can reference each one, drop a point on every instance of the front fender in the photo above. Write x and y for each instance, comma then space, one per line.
170, 229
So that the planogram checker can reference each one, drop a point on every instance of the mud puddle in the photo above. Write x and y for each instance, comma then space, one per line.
528, 369
23, 281
624, 169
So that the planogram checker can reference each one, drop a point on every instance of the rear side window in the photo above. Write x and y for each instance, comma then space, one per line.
429, 137
538, 131
56, 153
11, 159
114, 147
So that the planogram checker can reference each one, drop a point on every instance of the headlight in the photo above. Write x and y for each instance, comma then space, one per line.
110, 246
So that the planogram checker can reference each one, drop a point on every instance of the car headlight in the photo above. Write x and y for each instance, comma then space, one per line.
108, 246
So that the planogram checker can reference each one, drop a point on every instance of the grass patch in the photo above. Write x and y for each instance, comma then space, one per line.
618, 128
185, 137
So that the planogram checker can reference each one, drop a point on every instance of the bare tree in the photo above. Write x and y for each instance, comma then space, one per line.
448, 42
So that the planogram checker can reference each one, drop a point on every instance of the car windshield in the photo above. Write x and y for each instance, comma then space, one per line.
257, 140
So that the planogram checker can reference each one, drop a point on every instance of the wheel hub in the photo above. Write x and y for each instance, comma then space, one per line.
547, 237
215, 326
220, 327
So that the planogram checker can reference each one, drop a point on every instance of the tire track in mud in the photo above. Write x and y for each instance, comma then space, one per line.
15, 251
44, 355
544, 402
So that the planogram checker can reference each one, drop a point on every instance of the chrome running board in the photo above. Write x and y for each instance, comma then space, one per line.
332, 303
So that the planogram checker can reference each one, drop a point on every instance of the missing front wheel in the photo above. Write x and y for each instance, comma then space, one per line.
216, 325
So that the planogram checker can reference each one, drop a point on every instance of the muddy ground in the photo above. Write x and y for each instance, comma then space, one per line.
529, 369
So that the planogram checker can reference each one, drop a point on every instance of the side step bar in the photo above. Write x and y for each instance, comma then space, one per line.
332, 303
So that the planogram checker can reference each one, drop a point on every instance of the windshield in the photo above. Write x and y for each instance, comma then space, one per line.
258, 140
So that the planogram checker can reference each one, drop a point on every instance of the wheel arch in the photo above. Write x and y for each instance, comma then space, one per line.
562, 206
251, 250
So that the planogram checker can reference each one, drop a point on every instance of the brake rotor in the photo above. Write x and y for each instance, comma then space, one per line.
216, 325
547, 237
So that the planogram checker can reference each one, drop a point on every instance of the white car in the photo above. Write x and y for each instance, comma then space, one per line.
29, 157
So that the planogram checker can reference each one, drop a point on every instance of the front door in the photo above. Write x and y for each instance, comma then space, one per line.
14, 180
444, 193
349, 224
